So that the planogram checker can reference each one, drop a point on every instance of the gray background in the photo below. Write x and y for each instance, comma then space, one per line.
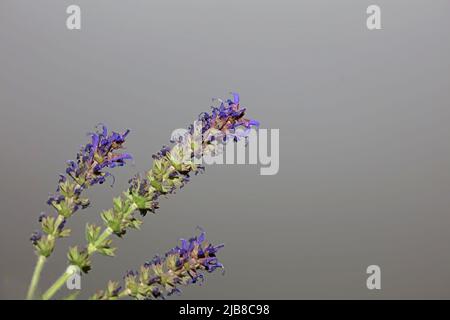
364, 136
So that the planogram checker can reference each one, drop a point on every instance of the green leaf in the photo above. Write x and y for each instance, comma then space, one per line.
117, 202
64, 209
135, 223
48, 225
64, 233
106, 251
92, 233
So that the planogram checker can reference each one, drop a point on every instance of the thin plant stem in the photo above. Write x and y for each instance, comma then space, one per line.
59, 282
36, 275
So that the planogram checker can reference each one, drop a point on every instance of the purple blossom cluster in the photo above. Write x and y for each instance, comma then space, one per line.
183, 265
101, 153
88, 169
173, 166
224, 120
97, 155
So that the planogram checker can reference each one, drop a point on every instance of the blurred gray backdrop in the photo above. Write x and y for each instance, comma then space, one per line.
364, 138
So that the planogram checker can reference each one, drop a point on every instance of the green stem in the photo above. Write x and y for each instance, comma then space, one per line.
60, 282
36, 275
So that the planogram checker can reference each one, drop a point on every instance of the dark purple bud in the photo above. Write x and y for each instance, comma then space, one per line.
78, 189
116, 291
154, 279
173, 291
156, 292
131, 273
61, 225
173, 174
42, 215
35, 237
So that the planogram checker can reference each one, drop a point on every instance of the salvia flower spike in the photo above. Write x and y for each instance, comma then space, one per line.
88, 169
162, 276
172, 167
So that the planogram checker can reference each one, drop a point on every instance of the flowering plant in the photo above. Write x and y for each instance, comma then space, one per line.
171, 170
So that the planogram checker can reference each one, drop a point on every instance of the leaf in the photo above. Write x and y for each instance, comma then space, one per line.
107, 251
64, 209
48, 225
64, 233
117, 201
92, 233
135, 223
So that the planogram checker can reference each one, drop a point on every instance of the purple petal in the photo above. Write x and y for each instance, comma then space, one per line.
235, 97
